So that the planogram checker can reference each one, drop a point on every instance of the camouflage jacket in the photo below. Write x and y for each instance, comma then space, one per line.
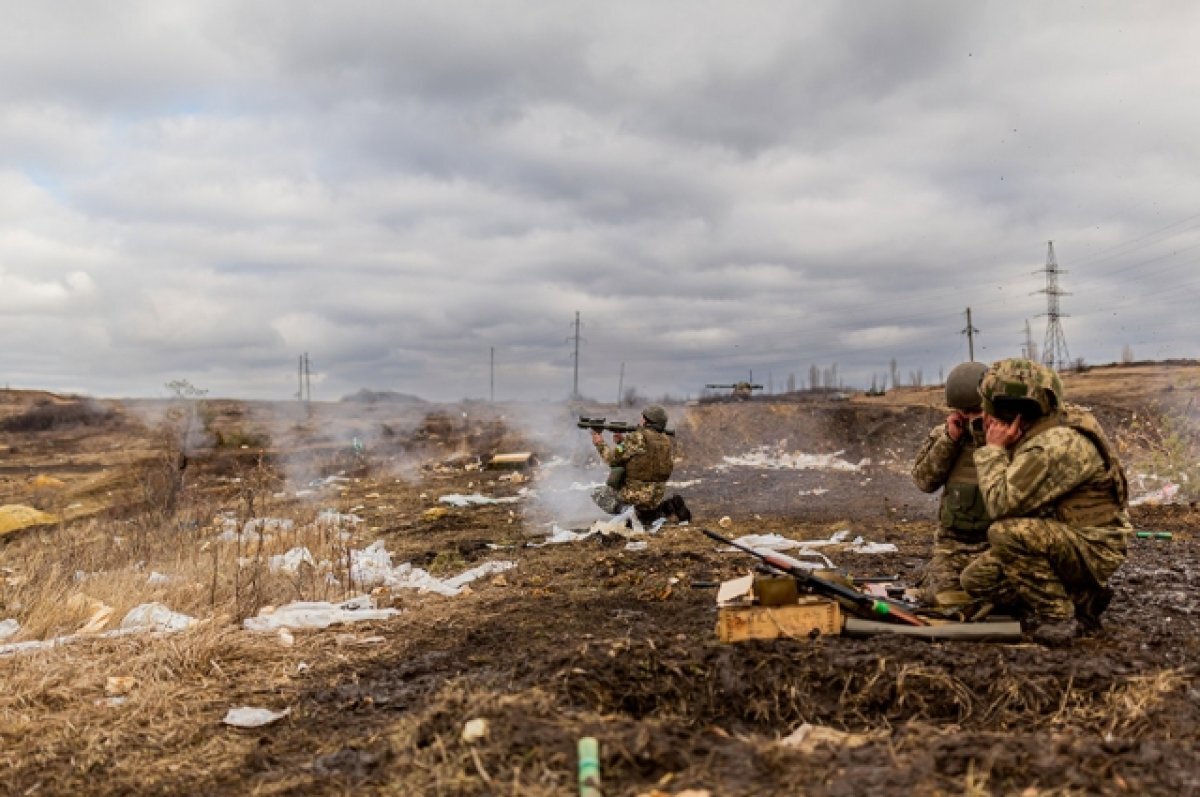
946, 463
642, 494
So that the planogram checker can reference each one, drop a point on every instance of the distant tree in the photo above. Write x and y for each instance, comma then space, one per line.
895, 373
1126, 354
791, 383
631, 397
1079, 366
814, 377
916, 378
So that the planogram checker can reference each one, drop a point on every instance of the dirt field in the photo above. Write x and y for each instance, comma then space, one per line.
578, 639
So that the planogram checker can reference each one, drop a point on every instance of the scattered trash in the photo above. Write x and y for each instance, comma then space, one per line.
475, 499
1163, 495
808, 737
814, 491
291, 561
155, 617
373, 566
119, 685
316, 614
100, 613
285, 638
475, 729
156, 579
518, 459
558, 536
725, 522
775, 459
1154, 535
247, 717
637, 545
589, 767
435, 513
328, 517
9, 629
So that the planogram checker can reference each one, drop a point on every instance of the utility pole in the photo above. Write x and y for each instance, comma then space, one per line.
300, 378
1054, 349
492, 377
970, 332
307, 379
576, 338
621, 386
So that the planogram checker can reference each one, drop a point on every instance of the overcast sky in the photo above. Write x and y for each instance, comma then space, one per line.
205, 190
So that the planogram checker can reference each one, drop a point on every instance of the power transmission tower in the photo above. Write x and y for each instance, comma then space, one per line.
575, 357
1054, 349
970, 332
1029, 348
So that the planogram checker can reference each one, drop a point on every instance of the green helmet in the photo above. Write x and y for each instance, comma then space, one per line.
962, 386
1019, 381
656, 417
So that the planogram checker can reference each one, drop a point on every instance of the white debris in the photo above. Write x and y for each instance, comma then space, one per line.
625, 524
157, 579
691, 483
814, 491
155, 617
475, 499
861, 546
559, 536
317, 614
247, 717
328, 517
373, 567
1163, 495
9, 628
635, 545
770, 458
291, 561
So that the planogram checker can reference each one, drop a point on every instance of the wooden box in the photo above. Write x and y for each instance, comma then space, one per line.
811, 616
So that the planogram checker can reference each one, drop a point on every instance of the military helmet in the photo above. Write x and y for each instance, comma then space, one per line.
656, 417
1020, 381
962, 386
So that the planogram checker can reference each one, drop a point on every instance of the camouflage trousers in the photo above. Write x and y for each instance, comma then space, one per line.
643, 495
607, 499
1044, 567
940, 584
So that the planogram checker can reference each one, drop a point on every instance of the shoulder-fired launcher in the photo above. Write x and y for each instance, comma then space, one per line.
604, 425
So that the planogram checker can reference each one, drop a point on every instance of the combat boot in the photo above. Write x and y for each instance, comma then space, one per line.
1088, 611
1054, 633
681, 512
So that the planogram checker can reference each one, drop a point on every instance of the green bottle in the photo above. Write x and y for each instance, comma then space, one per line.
1153, 535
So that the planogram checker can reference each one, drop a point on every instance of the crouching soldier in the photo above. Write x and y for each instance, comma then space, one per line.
640, 462
1058, 498
947, 462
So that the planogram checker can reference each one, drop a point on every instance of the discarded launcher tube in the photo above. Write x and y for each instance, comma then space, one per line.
883, 610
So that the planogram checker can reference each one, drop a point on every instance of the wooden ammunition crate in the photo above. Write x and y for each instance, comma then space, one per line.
810, 617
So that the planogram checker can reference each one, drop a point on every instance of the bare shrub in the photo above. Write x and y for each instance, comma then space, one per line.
47, 415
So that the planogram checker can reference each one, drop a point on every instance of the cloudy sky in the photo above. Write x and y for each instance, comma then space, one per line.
205, 190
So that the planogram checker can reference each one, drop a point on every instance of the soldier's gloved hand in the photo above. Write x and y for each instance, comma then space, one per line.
1002, 433
956, 424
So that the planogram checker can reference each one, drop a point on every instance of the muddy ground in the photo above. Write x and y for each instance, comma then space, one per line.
591, 639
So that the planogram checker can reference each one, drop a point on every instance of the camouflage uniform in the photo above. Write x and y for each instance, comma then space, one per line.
1059, 501
962, 516
648, 457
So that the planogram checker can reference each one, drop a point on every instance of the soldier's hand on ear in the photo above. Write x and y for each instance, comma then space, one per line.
618, 437
956, 424
1002, 433
597, 438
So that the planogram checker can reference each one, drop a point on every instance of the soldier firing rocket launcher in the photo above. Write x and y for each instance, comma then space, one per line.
605, 425
741, 390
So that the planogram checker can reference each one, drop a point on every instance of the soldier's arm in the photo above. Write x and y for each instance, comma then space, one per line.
1018, 484
934, 460
620, 453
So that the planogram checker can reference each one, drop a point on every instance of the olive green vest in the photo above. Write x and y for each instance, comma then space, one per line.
656, 463
962, 509
1100, 500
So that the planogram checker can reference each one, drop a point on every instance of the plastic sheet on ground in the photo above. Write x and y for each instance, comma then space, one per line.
774, 459
14, 517
291, 561
9, 629
247, 717
141, 619
155, 617
372, 566
777, 542
328, 517
252, 528
475, 499
1163, 495
317, 614
560, 536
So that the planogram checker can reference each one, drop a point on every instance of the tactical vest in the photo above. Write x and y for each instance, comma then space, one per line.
962, 509
1100, 500
656, 463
